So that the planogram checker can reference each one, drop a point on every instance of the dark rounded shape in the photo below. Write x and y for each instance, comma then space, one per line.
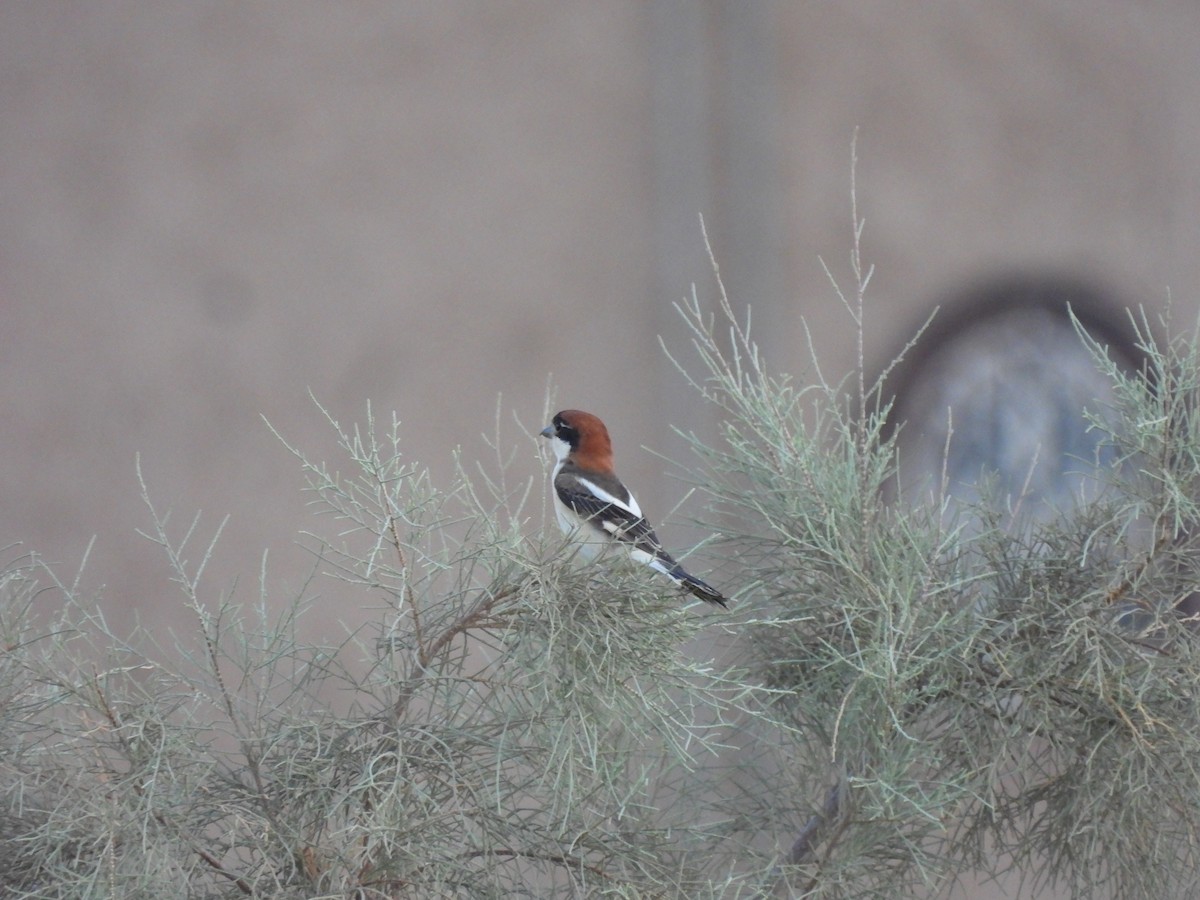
995, 393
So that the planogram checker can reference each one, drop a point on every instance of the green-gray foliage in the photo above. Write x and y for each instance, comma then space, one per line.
1021, 693
504, 723
916, 701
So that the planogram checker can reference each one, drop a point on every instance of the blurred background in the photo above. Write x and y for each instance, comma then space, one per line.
208, 209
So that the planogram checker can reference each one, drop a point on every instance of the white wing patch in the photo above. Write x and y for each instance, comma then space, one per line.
599, 493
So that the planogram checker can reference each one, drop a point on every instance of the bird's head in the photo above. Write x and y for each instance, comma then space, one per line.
573, 431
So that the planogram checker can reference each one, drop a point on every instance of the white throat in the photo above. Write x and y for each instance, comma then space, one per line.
561, 448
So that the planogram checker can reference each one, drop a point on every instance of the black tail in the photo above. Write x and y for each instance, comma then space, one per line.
699, 588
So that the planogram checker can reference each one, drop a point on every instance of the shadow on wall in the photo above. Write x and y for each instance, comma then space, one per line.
991, 400
992, 397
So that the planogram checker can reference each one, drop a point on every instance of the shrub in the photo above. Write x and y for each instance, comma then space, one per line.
913, 700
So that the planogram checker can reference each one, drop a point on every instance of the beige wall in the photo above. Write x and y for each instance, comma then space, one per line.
208, 209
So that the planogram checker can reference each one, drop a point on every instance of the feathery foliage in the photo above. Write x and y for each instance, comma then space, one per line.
503, 723
962, 688
924, 690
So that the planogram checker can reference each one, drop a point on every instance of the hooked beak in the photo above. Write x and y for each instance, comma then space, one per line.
547, 432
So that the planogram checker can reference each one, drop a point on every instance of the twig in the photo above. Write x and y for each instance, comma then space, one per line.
409, 599
560, 859
477, 617
215, 864
810, 835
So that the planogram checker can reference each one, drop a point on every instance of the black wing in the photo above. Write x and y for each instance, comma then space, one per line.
623, 524
615, 521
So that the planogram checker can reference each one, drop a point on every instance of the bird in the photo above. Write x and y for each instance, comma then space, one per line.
591, 502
